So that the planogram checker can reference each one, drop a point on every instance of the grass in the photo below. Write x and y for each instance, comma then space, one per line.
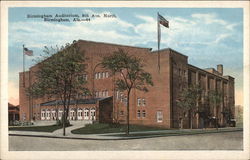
36, 128
100, 128
169, 133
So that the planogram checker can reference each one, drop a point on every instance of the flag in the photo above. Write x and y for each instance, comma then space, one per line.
28, 52
160, 21
163, 21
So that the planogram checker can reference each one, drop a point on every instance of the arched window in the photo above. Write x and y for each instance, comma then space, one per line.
92, 114
79, 113
43, 116
60, 114
86, 113
48, 114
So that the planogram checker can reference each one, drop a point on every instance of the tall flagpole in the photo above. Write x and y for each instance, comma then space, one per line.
23, 67
159, 39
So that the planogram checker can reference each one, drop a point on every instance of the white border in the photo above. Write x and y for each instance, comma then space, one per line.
5, 154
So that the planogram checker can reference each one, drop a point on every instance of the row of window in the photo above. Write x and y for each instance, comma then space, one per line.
124, 99
141, 102
104, 93
101, 75
141, 114
88, 114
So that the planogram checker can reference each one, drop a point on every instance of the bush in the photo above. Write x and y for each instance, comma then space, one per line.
115, 125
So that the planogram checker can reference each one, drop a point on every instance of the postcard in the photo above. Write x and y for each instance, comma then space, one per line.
125, 80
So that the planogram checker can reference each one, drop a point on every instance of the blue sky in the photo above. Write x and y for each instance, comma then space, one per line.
208, 36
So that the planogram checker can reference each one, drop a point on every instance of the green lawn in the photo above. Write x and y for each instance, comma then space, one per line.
100, 128
36, 128
170, 133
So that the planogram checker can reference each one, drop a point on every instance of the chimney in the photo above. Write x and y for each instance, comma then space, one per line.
220, 69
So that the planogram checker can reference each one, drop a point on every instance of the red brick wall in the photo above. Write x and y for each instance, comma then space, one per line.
161, 97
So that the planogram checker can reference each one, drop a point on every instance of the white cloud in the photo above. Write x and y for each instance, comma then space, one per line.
196, 30
221, 37
231, 26
208, 18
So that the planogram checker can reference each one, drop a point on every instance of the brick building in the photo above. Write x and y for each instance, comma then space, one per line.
158, 107
13, 112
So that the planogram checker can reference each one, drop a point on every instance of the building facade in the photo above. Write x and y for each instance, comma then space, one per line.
158, 107
13, 113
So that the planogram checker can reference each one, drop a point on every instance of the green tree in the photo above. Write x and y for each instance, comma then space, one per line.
60, 74
215, 98
188, 100
132, 74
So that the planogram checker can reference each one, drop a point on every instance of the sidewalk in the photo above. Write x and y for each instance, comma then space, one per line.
120, 136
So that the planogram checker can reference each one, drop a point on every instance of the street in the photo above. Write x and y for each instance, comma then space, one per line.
213, 141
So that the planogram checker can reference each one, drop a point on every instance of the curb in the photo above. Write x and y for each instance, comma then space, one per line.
125, 138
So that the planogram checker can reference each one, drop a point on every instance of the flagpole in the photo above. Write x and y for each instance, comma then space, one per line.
23, 67
159, 39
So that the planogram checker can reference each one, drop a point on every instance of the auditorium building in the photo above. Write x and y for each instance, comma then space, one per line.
158, 107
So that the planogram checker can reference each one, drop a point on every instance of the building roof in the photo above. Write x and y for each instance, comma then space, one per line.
206, 71
168, 49
13, 108
79, 101
113, 44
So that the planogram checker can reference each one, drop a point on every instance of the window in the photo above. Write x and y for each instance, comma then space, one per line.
125, 100
85, 77
138, 101
107, 74
96, 75
117, 94
143, 113
103, 75
138, 113
99, 75
100, 93
103, 93
96, 94
143, 102
106, 93
121, 96
159, 116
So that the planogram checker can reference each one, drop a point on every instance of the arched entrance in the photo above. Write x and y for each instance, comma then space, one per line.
86, 114
92, 114
48, 114
79, 114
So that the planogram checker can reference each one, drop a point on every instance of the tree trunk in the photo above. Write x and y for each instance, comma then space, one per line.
217, 118
56, 114
128, 112
64, 118
191, 120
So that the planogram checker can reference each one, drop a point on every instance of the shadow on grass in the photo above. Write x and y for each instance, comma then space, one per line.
51, 128
101, 128
172, 133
